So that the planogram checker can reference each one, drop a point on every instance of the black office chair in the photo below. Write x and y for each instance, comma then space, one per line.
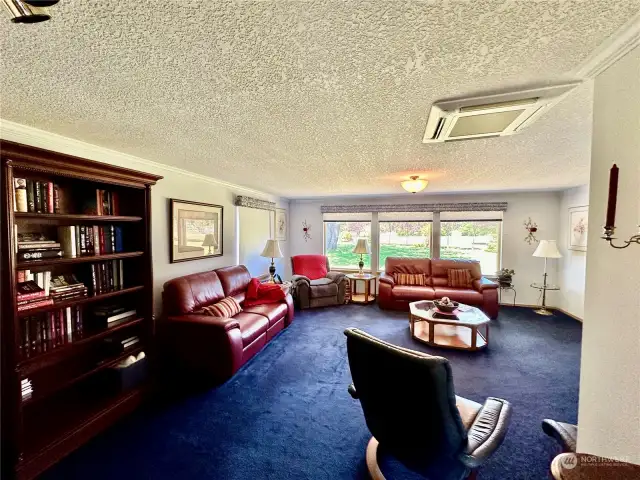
412, 411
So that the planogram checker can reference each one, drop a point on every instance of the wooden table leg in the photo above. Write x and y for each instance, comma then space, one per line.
366, 291
486, 334
474, 337
431, 332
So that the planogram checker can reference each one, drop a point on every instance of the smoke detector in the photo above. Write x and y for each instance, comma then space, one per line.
492, 115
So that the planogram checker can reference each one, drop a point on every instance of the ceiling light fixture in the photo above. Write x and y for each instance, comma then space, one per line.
28, 11
414, 185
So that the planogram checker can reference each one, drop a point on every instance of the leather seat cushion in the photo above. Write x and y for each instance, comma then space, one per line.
413, 292
468, 410
273, 311
321, 281
330, 290
252, 326
464, 295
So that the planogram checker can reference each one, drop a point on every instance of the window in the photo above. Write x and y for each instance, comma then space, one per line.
341, 233
406, 234
472, 235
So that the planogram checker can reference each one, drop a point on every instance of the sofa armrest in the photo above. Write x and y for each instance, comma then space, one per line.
336, 277
486, 432
484, 283
388, 279
206, 321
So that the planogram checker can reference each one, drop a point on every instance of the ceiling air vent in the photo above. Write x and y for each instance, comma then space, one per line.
491, 115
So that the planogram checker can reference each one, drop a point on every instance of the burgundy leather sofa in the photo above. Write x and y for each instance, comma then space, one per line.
483, 294
215, 346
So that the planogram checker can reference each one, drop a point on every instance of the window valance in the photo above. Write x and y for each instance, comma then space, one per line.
418, 207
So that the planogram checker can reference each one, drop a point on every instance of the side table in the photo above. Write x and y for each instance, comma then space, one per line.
369, 295
544, 288
507, 286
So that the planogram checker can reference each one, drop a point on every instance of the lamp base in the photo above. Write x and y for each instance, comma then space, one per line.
272, 272
544, 311
361, 265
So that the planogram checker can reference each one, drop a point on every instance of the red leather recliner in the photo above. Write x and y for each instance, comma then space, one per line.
212, 345
483, 293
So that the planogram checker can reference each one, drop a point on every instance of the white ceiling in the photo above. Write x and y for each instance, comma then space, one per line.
309, 98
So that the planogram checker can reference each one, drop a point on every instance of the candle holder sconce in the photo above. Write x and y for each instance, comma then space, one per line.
608, 233
609, 228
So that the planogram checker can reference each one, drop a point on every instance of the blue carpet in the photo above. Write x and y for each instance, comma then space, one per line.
287, 414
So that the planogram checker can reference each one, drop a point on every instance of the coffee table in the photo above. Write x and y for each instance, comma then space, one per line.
462, 334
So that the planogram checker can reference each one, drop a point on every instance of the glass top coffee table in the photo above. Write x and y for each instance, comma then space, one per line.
463, 333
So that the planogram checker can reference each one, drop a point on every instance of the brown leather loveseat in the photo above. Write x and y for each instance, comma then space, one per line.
212, 345
483, 293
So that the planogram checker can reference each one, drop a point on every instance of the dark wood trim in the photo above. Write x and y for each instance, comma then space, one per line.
26, 157
83, 259
80, 301
172, 201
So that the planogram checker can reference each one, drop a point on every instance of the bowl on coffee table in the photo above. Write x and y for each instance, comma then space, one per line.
446, 307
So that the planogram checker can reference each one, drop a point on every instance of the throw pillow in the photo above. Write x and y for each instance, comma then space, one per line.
225, 308
459, 278
417, 279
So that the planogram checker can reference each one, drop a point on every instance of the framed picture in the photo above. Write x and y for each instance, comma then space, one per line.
578, 228
196, 230
281, 224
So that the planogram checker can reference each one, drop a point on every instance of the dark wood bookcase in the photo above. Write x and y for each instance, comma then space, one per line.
76, 391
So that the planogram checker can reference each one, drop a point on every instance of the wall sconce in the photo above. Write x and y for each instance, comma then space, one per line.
610, 223
532, 228
28, 11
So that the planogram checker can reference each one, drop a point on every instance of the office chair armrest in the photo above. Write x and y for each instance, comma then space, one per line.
352, 391
487, 432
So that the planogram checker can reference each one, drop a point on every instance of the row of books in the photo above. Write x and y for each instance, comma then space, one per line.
35, 246
107, 203
39, 289
107, 276
78, 240
27, 389
51, 330
36, 197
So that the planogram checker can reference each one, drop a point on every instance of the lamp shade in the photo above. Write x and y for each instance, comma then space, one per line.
210, 240
414, 185
547, 249
272, 250
362, 247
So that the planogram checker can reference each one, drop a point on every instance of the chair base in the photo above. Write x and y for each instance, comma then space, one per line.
374, 468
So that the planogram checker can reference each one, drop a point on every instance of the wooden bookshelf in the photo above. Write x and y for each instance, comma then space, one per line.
72, 397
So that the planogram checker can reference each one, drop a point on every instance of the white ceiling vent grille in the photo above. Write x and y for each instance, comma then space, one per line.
492, 115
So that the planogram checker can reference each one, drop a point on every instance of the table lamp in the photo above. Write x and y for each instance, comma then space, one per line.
546, 249
272, 250
362, 248
210, 241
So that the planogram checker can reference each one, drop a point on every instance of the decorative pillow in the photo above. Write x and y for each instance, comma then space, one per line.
410, 279
225, 308
459, 278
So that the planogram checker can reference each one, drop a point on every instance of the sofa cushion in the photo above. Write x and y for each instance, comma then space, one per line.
464, 295
234, 279
321, 281
311, 266
252, 326
439, 267
409, 278
330, 290
273, 311
407, 265
459, 278
192, 292
413, 293
225, 308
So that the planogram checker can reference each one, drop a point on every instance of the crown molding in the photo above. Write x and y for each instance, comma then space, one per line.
611, 50
16, 132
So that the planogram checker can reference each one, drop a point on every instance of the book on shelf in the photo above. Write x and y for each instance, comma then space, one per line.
39, 254
104, 203
44, 332
29, 290
107, 276
34, 246
119, 345
26, 388
20, 203
36, 197
79, 240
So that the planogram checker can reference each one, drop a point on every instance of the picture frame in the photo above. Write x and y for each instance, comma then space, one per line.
578, 228
196, 230
281, 224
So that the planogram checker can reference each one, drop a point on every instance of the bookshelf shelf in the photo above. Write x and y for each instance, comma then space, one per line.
107, 363
83, 259
79, 301
72, 398
72, 217
43, 360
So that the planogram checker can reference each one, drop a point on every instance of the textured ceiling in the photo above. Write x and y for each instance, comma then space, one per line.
312, 97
